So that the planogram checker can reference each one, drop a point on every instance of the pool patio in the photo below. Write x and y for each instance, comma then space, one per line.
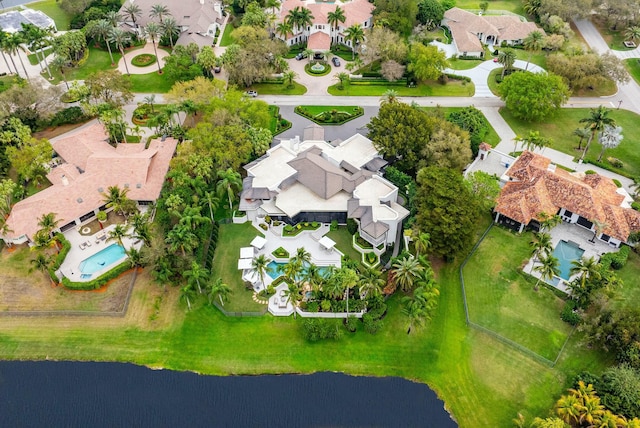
578, 235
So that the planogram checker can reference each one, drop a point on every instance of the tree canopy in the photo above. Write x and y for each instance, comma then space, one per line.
533, 96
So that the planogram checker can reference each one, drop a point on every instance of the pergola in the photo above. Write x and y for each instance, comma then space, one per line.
327, 243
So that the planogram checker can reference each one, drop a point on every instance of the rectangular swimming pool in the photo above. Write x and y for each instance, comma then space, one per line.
102, 259
566, 252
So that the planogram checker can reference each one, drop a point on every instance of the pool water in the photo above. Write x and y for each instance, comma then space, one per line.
566, 252
274, 269
102, 259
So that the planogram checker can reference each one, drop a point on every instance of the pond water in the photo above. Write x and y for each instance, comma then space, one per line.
72, 394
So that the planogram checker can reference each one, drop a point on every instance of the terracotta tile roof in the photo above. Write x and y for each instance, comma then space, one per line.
511, 28
484, 146
319, 41
355, 11
74, 194
541, 188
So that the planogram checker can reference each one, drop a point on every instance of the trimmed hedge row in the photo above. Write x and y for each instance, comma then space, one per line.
94, 284
66, 246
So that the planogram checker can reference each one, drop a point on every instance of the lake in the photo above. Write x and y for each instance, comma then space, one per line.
74, 394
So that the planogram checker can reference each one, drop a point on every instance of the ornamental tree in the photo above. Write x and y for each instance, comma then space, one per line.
533, 96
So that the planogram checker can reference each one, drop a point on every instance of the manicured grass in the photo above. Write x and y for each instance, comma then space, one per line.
151, 83
98, 60
433, 89
279, 88
539, 58
614, 38
343, 240
226, 36
225, 265
315, 110
54, 11
494, 5
464, 64
630, 291
633, 67
502, 299
276, 125
561, 126
33, 60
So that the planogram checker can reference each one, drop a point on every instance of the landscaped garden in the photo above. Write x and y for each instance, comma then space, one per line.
277, 124
560, 128
502, 298
330, 115
143, 60
317, 68
293, 230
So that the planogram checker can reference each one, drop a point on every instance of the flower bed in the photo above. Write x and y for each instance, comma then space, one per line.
143, 60
309, 68
289, 230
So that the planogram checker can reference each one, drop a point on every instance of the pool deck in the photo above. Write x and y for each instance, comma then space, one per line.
580, 236
70, 267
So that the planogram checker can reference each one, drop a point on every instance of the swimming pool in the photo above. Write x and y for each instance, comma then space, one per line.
566, 252
102, 259
274, 269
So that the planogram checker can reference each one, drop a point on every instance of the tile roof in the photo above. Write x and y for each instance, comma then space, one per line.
355, 11
319, 41
187, 13
74, 194
539, 187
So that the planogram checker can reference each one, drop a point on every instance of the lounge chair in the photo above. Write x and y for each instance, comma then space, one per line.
82, 245
88, 243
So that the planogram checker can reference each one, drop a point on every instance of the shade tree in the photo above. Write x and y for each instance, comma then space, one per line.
533, 97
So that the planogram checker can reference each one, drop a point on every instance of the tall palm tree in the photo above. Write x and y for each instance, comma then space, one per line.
355, 35
370, 282
117, 233
141, 228
220, 289
229, 182
586, 268
506, 57
159, 11
120, 38
36, 38
196, 274
284, 29
414, 310
534, 42
43, 263
597, 120
181, 237
598, 228
48, 222
102, 30
390, 96
548, 268
60, 63
633, 33
293, 294
116, 198
610, 138
334, 19
421, 242
14, 46
133, 10
305, 18
313, 277
152, 30
406, 271
170, 29
540, 244
303, 257
112, 17
260, 265
187, 293
192, 218
3, 48
582, 133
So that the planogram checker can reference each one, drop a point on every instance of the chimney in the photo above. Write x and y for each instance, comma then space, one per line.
65, 180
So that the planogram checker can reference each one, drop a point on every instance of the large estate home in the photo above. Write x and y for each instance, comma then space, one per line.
535, 187
470, 31
197, 20
89, 165
319, 35
314, 180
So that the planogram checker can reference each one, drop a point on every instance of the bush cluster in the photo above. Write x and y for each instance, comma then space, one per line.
315, 329
616, 260
568, 313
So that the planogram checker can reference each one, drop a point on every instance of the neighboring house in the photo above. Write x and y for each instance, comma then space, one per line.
319, 35
79, 183
197, 19
535, 187
470, 31
11, 22
314, 180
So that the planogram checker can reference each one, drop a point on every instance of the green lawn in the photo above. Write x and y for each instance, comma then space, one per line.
501, 298
633, 67
225, 265
226, 36
464, 64
491, 137
630, 291
151, 83
54, 11
33, 60
433, 89
343, 240
279, 88
98, 60
561, 126
316, 110
494, 5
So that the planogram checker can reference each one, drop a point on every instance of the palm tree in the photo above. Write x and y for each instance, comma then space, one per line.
120, 38
582, 133
60, 63
133, 10
313, 277
220, 289
153, 30
303, 257
284, 29
181, 237
421, 242
112, 17
117, 233
14, 46
293, 295
540, 244
390, 96
159, 11
548, 222
36, 38
3, 48
341, 77
334, 19
506, 57
633, 33
116, 198
548, 268
610, 138
229, 182
406, 271
170, 28
568, 408
102, 30
192, 218
48, 222
289, 76
355, 35
533, 43
597, 120
190, 109
414, 310
260, 265
43, 263
135, 257
586, 268
370, 282
195, 274
187, 293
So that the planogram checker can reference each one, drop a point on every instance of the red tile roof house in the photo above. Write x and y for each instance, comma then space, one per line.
90, 166
320, 34
314, 180
470, 31
536, 187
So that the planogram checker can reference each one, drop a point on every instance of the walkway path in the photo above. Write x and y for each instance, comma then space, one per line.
147, 49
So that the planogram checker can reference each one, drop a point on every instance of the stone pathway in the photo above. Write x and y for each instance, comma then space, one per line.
259, 299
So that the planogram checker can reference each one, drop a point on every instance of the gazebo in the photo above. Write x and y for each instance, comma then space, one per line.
258, 242
327, 243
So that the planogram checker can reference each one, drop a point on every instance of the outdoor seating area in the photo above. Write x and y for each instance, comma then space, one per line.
85, 244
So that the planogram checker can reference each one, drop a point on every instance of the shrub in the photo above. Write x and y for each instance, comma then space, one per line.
143, 60
615, 162
635, 206
94, 284
288, 228
590, 172
351, 324
315, 329
280, 253
334, 225
68, 115
267, 219
616, 260
352, 226
617, 183
313, 306
264, 226
325, 305
568, 313
371, 325
315, 224
371, 258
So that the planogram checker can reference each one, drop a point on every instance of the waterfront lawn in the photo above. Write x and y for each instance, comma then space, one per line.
502, 299
344, 242
561, 126
231, 237
455, 88
52, 9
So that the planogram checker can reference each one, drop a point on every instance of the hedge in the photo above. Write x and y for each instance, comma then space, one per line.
616, 260
94, 284
62, 254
